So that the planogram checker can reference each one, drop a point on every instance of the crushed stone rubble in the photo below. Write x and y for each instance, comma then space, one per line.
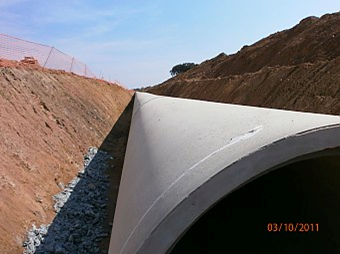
80, 212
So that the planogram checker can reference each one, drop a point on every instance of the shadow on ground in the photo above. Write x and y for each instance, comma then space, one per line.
84, 222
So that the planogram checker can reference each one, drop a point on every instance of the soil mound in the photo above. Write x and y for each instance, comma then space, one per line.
295, 69
48, 121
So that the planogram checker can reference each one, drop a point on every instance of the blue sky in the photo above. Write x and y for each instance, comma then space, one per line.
138, 42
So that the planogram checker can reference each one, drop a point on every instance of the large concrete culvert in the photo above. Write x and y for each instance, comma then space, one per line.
183, 157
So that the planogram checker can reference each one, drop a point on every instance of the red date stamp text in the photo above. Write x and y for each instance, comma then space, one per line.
293, 227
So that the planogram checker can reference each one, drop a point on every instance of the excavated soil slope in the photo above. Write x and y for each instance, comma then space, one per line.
296, 69
48, 121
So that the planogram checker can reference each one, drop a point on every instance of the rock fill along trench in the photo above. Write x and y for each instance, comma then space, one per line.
80, 212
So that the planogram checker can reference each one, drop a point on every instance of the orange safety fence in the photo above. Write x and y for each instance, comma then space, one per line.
12, 48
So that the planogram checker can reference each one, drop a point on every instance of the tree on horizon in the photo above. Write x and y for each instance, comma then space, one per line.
179, 68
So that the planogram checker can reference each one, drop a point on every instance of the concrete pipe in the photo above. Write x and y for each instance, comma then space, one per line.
184, 156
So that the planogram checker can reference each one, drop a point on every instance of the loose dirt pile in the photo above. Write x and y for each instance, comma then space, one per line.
48, 121
27, 62
296, 69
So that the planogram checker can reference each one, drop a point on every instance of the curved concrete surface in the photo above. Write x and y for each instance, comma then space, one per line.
183, 156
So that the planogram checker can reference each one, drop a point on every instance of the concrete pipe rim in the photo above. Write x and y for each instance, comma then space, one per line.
308, 144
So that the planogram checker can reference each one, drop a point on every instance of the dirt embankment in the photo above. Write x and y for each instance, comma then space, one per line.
48, 120
296, 69
306, 87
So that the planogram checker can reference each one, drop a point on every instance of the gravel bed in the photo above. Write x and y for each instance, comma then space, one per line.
80, 212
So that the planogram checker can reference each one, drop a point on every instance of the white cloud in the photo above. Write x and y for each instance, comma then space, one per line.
10, 21
7, 3
76, 12
124, 45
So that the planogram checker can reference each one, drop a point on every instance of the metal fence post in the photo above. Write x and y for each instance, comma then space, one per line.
48, 57
71, 64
